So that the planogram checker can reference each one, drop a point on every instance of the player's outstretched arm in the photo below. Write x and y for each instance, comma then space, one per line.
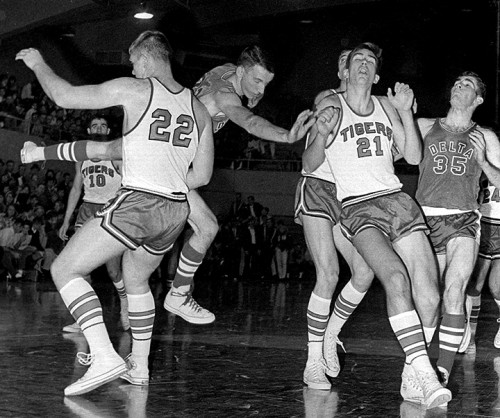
258, 126
73, 151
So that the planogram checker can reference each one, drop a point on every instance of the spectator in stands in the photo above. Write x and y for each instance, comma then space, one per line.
282, 243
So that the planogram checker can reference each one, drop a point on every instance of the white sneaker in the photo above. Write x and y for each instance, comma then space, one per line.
75, 328
314, 375
136, 375
330, 352
186, 307
434, 393
467, 332
19, 274
27, 153
104, 367
411, 390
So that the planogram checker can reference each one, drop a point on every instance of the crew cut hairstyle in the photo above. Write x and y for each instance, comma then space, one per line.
481, 85
154, 43
377, 51
255, 55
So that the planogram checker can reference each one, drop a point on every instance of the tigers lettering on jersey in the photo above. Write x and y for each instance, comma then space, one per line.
365, 128
98, 169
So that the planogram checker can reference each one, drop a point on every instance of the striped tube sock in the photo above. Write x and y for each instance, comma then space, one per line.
84, 305
474, 315
408, 330
317, 320
451, 332
345, 304
73, 151
141, 312
120, 288
189, 261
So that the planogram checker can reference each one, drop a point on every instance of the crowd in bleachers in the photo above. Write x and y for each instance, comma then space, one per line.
32, 206
252, 243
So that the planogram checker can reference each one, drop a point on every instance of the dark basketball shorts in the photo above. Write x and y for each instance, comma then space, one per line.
395, 215
317, 198
489, 246
444, 228
138, 219
87, 211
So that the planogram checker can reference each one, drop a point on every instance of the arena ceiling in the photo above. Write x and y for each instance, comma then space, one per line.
17, 16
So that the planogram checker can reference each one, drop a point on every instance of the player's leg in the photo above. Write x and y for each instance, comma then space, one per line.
204, 224
473, 301
421, 263
114, 268
77, 260
138, 266
379, 254
319, 240
494, 285
347, 301
461, 255
73, 151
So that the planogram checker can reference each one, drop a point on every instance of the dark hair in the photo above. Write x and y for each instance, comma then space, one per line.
255, 55
481, 85
377, 51
154, 43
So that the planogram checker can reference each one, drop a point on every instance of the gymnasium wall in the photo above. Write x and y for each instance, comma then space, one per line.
274, 189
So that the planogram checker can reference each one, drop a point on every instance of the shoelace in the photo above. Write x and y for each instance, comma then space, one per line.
85, 359
191, 303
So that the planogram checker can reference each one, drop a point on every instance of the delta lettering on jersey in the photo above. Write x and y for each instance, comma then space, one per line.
365, 128
98, 169
453, 147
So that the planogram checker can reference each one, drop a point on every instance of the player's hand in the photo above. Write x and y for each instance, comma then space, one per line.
477, 139
402, 97
63, 231
30, 56
326, 120
302, 124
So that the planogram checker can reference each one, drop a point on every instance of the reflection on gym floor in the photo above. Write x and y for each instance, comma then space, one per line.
248, 363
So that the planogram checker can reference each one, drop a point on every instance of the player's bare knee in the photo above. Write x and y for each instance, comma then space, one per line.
362, 278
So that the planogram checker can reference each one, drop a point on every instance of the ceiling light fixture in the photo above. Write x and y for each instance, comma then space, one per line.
143, 12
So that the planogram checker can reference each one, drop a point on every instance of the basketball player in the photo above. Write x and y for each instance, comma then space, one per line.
384, 224
167, 131
487, 264
317, 210
221, 90
456, 151
100, 182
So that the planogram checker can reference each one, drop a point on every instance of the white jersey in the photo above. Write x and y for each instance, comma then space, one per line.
101, 181
490, 207
158, 151
324, 171
360, 154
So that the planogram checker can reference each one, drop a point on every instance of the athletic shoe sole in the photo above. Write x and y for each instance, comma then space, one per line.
95, 382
